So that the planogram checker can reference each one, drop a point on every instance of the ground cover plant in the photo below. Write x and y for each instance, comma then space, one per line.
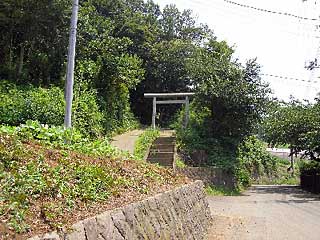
144, 142
46, 185
221, 191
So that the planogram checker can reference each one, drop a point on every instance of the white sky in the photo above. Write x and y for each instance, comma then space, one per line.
281, 43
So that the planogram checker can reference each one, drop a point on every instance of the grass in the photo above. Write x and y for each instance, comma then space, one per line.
180, 163
44, 185
144, 142
221, 191
281, 175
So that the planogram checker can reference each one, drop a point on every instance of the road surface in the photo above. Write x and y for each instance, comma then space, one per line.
266, 212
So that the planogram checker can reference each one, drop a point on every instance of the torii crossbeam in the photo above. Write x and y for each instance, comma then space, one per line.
185, 101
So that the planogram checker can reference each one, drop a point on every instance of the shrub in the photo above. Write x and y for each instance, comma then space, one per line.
58, 137
309, 167
253, 161
22, 103
220, 151
144, 142
86, 113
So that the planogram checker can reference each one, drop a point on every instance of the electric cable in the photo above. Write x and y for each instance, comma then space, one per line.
271, 11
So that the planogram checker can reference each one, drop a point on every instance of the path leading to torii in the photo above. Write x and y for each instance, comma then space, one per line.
126, 141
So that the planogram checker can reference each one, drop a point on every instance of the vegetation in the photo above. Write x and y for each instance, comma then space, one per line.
254, 162
45, 183
221, 191
124, 49
179, 163
281, 175
230, 102
296, 124
309, 167
46, 105
144, 142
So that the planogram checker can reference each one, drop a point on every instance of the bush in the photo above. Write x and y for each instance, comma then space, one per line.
220, 152
248, 161
70, 139
253, 161
309, 167
22, 103
144, 141
86, 113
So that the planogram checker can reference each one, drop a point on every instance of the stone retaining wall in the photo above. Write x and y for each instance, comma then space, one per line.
209, 175
182, 213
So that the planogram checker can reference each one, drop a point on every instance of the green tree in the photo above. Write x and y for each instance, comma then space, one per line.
236, 96
296, 124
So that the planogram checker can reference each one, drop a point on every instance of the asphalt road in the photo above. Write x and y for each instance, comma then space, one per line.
266, 212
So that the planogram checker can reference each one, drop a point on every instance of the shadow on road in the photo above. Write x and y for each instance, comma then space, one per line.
297, 195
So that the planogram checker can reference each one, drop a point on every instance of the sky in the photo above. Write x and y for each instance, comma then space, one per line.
282, 44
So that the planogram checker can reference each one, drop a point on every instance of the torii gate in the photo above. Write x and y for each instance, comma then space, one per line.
169, 95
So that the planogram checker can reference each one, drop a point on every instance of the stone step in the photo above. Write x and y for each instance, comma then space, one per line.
162, 161
164, 140
155, 151
168, 155
162, 151
162, 147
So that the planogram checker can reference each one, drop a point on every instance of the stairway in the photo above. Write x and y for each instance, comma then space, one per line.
163, 151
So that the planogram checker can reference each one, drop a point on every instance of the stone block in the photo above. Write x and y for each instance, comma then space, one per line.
91, 228
106, 228
51, 236
180, 214
119, 221
76, 233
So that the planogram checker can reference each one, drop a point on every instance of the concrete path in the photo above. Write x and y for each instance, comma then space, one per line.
266, 212
127, 140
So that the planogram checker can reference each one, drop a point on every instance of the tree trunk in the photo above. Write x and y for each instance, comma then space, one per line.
20, 65
292, 161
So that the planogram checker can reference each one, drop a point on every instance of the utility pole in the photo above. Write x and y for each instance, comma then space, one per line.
70, 67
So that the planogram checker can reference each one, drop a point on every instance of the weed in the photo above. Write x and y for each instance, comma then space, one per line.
180, 163
144, 142
221, 191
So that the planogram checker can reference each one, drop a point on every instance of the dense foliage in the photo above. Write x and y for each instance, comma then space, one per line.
296, 124
144, 142
124, 48
229, 104
46, 105
254, 162
309, 167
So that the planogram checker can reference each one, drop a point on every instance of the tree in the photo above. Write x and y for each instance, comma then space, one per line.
235, 95
296, 124
33, 39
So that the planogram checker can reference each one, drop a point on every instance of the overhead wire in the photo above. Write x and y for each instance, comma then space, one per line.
289, 78
306, 28
215, 6
317, 55
271, 11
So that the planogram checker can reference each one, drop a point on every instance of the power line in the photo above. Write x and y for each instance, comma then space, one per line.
288, 78
271, 11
